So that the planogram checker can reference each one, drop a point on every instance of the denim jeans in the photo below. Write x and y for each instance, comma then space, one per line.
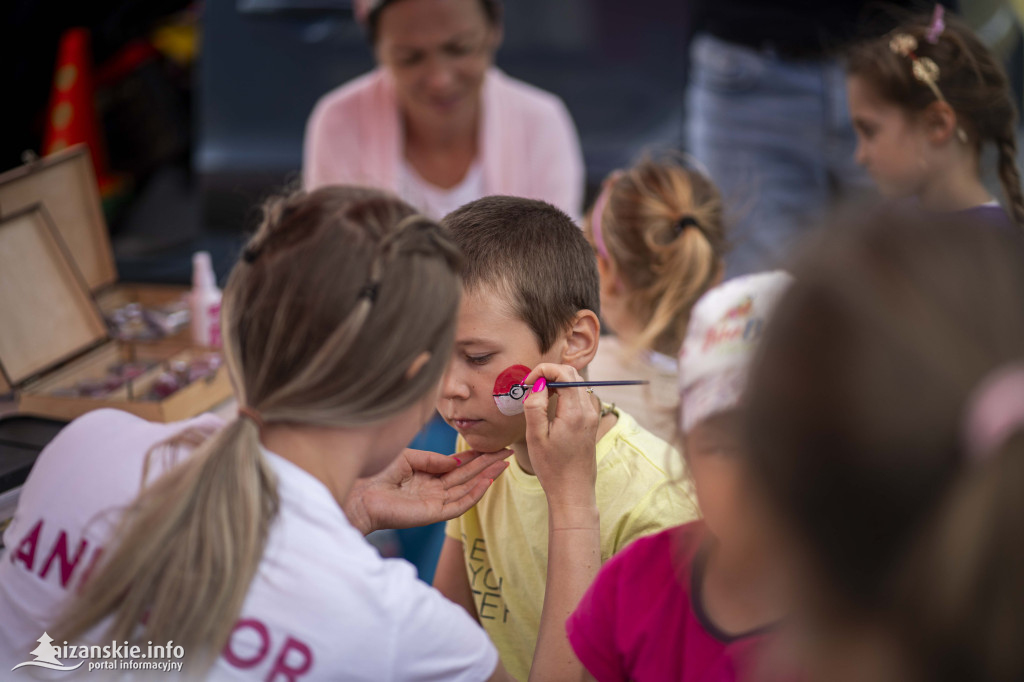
775, 136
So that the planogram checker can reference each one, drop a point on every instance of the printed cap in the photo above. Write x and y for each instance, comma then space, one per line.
725, 327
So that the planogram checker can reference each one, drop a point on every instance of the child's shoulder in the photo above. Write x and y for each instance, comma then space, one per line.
667, 553
628, 438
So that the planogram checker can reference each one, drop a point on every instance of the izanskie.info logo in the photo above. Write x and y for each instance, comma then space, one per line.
113, 656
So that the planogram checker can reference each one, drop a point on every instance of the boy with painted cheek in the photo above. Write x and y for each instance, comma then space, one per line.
531, 297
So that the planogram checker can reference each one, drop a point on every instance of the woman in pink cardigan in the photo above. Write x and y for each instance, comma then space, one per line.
436, 122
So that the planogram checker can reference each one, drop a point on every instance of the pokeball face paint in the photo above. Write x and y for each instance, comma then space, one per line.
509, 390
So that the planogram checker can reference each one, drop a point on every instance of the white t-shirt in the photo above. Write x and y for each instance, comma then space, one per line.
435, 202
323, 605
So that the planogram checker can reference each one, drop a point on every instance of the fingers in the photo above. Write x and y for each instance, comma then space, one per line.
552, 372
462, 497
473, 463
429, 462
570, 401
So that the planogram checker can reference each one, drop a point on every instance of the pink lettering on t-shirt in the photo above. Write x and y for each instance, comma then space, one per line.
26, 552
60, 551
236, 660
281, 665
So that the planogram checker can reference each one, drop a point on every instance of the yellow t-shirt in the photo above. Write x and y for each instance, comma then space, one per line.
640, 490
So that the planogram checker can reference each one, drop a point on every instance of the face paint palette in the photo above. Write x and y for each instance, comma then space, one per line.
509, 389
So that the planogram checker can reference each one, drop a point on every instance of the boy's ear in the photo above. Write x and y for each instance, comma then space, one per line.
581, 340
940, 122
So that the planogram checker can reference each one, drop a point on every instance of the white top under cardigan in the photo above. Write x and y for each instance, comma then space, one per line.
528, 146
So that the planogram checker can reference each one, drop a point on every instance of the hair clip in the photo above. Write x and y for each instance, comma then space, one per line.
598, 212
938, 24
994, 411
925, 69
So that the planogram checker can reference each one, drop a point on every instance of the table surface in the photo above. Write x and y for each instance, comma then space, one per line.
225, 410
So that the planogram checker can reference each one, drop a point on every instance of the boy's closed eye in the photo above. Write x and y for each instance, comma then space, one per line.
479, 359
865, 129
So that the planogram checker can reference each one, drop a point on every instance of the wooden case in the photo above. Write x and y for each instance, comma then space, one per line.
65, 184
52, 334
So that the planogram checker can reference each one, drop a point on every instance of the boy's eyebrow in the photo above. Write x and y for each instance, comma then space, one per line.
472, 342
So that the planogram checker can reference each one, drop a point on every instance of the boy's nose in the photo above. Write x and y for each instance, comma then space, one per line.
860, 156
453, 387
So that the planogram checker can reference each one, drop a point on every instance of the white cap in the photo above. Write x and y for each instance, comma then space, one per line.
725, 328
202, 271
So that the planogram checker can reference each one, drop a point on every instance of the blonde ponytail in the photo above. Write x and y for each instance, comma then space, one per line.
308, 318
664, 231
188, 548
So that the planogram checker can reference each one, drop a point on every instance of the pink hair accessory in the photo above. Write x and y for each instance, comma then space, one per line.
938, 24
995, 411
598, 213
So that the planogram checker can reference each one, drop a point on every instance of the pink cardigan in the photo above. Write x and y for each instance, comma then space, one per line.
528, 144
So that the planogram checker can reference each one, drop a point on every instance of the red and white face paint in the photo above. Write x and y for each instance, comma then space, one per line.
509, 390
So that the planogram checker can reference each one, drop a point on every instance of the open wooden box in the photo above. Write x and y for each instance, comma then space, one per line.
52, 336
65, 184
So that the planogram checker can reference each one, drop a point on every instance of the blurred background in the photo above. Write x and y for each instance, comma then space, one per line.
198, 109
201, 106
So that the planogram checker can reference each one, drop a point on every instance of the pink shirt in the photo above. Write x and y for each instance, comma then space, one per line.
528, 145
643, 620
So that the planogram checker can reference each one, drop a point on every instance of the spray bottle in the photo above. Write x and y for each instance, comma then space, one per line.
205, 302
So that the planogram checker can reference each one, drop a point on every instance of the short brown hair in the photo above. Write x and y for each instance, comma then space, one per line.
531, 252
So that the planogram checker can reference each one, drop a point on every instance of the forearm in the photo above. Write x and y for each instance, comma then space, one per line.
574, 558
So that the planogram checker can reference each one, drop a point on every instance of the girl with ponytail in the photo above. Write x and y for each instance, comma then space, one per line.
243, 553
658, 233
925, 100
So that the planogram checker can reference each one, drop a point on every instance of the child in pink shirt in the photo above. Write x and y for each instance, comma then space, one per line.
696, 601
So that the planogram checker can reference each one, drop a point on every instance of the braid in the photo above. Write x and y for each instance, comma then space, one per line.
1009, 176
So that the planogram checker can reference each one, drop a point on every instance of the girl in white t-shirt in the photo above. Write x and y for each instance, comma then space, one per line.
243, 556
658, 232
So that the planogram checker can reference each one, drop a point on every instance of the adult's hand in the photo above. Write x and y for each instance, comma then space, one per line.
421, 487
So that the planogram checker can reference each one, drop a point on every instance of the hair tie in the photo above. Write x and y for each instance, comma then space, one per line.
370, 291
995, 411
250, 254
246, 412
685, 222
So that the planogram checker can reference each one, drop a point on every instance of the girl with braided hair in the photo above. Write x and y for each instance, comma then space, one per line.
925, 100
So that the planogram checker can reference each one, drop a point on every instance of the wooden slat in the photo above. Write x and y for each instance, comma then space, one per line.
47, 314
66, 185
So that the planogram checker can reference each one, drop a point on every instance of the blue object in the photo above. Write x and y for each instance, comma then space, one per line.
422, 546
